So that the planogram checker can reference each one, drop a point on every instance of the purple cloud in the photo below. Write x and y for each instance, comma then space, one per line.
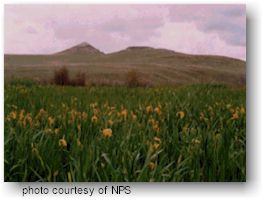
228, 21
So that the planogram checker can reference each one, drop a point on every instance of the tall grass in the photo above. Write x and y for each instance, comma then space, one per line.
194, 133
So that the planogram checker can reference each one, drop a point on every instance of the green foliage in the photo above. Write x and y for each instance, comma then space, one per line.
194, 133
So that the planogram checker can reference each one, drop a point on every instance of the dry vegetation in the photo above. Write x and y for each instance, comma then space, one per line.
61, 77
133, 79
155, 66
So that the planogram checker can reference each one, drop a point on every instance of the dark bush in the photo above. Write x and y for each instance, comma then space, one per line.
61, 76
132, 79
79, 80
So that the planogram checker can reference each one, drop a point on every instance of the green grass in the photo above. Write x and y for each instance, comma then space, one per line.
196, 133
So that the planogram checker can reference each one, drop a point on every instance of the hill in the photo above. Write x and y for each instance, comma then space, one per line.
155, 66
82, 48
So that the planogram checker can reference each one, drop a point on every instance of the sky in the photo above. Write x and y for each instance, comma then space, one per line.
194, 29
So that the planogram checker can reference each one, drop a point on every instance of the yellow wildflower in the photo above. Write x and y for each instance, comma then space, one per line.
94, 119
21, 115
155, 127
235, 116
151, 121
242, 110
157, 139
94, 105
13, 115
196, 141
95, 111
42, 113
180, 114
48, 131
210, 108
35, 151
201, 115
107, 133
112, 108
155, 146
124, 113
51, 121
72, 115
84, 115
63, 142
110, 122
28, 119
134, 117
149, 109
157, 110
57, 130
232, 110
79, 127
228, 106
152, 165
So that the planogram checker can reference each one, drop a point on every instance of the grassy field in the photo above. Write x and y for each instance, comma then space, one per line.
192, 133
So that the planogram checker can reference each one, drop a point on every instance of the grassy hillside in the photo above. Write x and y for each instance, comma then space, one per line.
155, 66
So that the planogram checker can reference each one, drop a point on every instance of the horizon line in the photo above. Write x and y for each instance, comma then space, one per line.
84, 42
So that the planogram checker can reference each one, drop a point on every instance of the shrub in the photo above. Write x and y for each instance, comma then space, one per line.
79, 80
132, 78
61, 76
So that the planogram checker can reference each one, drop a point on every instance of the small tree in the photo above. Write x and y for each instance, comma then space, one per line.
61, 76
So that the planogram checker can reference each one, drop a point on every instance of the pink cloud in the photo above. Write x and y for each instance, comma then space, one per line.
198, 29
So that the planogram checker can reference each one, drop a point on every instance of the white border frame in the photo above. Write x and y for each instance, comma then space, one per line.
252, 189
